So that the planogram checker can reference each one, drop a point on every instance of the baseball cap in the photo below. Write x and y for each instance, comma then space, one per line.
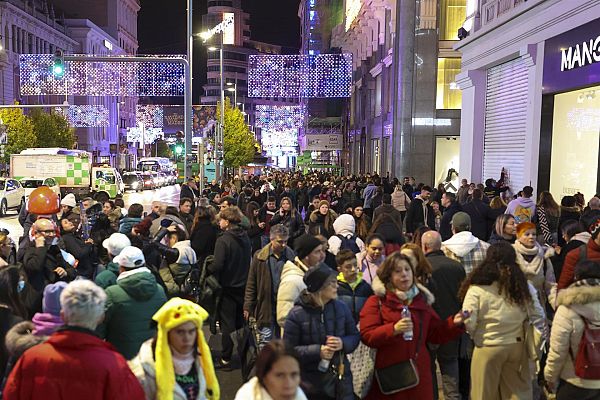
115, 243
130, 258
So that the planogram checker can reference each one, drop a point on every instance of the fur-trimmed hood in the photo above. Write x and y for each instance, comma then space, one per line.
20, 338
380, 290
584, 299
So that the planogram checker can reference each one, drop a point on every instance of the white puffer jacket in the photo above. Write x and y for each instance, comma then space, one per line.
580, 299
252, 390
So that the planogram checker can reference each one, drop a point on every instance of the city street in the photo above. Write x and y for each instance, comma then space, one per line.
167, 194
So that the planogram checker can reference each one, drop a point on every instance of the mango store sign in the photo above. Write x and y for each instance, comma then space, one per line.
572, 60
580, 55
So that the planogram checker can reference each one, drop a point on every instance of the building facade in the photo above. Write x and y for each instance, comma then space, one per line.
530, 82
404, 113
40, 27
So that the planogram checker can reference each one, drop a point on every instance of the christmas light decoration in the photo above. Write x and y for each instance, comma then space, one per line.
352, 9
301, 76
151, 115
86, 116
149, 135
277, 143
279, 117
80, 78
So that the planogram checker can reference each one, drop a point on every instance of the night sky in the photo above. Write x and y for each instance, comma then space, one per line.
162, 29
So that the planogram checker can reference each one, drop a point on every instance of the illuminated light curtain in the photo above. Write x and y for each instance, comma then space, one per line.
452, 15
448, 93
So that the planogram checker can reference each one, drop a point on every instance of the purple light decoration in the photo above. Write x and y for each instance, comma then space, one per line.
151, 115
300, 76
86, 116
279, 117
100, 78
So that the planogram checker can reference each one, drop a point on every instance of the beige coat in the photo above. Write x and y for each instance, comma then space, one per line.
567, 329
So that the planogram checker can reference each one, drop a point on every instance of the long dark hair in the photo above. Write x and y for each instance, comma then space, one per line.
9, 294
204, 213
250, 208
384, 217
500, 266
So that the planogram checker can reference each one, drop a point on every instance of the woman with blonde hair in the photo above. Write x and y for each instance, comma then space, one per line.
177, 362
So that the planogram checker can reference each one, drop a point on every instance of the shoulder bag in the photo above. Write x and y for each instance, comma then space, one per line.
401, 376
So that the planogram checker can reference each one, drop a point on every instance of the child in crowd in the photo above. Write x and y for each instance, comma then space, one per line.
352, 289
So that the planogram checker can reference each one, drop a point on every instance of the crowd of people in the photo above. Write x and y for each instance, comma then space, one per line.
354, 287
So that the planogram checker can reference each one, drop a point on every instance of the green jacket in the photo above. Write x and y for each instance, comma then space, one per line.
130, 305
108, 277
180, 271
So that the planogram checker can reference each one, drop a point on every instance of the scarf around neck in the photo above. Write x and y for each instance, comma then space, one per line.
409, 295
182, 363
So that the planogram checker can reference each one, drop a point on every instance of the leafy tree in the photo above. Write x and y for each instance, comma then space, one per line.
238, 142
19, 129
52, 129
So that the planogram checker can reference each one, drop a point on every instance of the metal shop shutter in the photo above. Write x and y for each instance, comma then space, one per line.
505, 122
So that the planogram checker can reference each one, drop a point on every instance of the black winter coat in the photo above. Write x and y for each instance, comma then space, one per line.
39, 264
203, 240
233, 254
481, 218
446, 221
294, 224
447, 276
307, 327
415, 217
83, 252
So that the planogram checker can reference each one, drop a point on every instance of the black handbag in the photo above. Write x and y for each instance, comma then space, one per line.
401, 376
332, 383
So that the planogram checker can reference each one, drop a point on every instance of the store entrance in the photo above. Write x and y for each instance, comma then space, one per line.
575, 143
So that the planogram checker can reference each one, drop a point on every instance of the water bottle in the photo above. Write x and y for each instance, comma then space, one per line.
323, 365
406, 314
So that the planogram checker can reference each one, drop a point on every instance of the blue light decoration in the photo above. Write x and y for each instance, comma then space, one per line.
82, 78
277, 143
279, 117
300, 76
149, 135
86, 116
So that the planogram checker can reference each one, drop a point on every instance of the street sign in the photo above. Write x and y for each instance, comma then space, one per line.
113, 148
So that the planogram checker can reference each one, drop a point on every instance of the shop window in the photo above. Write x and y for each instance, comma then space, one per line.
448, 93
452, 15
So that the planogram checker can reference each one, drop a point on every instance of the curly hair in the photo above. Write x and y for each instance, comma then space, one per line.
390, 264
500, 266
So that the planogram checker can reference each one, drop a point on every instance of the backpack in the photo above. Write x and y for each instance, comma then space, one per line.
587, 361
523, 214
349, 243
188, 286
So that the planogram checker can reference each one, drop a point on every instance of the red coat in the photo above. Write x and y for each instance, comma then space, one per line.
72, 364
567, 276
392, 349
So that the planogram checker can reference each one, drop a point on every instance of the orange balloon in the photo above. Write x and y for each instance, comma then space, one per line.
43, 201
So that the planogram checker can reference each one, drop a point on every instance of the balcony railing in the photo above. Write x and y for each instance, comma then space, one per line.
494, 9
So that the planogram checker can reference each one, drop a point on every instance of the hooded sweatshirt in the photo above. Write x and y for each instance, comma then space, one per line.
465, 248
522, 208
130, 305
344, 225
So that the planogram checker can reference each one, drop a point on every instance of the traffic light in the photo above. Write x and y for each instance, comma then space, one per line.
58, 67
178, 149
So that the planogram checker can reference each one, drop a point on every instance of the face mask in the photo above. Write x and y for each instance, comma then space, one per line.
20, 286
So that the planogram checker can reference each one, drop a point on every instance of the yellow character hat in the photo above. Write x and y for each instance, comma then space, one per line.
173, 313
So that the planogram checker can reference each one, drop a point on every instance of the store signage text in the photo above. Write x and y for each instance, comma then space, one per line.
580, 55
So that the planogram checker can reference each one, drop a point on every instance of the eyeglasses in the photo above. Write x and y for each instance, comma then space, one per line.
48, 232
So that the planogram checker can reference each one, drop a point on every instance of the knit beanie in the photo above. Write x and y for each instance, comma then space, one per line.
173, 313
316, 277
69, 200
305, 244
51, 301
524, 227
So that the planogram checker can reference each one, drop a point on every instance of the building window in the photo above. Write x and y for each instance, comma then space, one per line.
378, 96
452, 15
448, 93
